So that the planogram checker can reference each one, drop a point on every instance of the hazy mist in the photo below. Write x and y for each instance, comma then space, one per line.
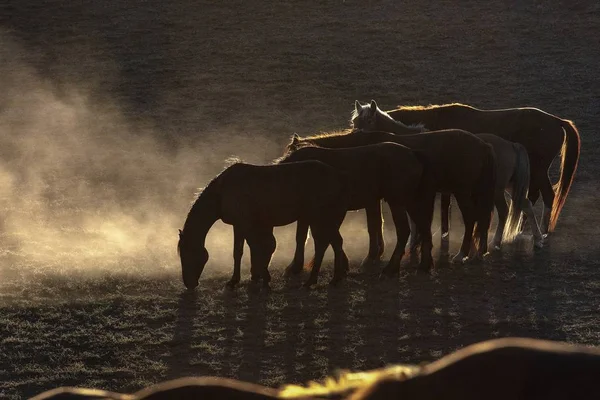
85, 189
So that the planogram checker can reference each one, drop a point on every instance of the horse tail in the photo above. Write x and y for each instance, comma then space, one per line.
570, 158
484, 194
520, 189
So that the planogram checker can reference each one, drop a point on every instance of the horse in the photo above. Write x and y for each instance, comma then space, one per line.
460, 163
512, 168
390, 171
497, 369
544, 135
255, 199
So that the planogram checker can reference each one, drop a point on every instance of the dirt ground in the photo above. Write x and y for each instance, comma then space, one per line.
112, 115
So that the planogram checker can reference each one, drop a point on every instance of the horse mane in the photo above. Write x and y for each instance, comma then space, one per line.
402, 124
307, 141
321, 135
431, 106
232, 160
289, 150
420, 126
347, 381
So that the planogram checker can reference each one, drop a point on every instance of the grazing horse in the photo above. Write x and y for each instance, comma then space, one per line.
544, 135
254, 199
390, 171
460, 163
512, 169
499, 369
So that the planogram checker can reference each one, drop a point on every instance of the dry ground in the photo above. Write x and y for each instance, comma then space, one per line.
193, 82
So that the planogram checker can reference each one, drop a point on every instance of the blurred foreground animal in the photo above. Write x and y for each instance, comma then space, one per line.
461, 164
500, 369
544, 135
390, 171
254, 199
512, 174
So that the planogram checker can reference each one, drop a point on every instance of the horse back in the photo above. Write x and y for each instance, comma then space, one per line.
277, 195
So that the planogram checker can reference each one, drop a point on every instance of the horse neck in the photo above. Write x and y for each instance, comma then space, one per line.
335, 141
388, 124
203, 215
427, 117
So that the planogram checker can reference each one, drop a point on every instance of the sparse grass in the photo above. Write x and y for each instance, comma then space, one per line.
242, 77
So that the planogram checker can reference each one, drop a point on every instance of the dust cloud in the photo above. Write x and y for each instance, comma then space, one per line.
87, 191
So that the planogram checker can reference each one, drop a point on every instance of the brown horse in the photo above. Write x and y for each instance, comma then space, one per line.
460, 162
254, 199
512, 169
390, 171
544, 135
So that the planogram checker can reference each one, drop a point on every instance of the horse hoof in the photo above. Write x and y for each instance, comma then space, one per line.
459, 259
388, 273
308, 283
231, 284
424, 269
335, 282
538, 244
289, 271
368, 262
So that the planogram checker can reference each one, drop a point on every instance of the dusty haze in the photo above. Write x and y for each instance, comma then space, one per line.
86, 190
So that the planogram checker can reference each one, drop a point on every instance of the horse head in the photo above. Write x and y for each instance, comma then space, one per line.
294, 144
365, 116
193, 260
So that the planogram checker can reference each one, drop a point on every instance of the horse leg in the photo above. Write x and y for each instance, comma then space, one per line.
321, 243
533, 194
375, 228
341, 260
262, 246
238, 251
538, 238
445, 205
415, 239
297, 263
402, 232
502, 209
548, 197
424, 218
467, 209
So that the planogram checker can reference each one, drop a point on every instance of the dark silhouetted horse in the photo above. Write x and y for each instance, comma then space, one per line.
254, 199
461, 164
544, 136
512, 169
390, 171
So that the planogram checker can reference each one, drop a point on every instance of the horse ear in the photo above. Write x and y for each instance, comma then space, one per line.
357, 105
373, 105
180, 232
295, 138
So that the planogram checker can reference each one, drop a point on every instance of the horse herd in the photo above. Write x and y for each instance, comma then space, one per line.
404, 157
